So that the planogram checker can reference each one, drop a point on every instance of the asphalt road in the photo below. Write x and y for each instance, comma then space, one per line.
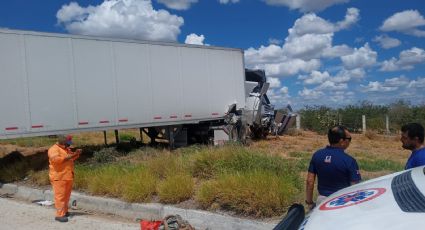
19, 215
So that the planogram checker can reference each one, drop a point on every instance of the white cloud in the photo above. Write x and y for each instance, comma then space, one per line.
375, 86
359, 40
330, 85
309, 40
122, 19
396, 81
310, 94
291, 67
279, 96
306, 5
387, 42
311, 36
390, 65
389, 85
307, 46
362, 57
228, 1
347, 75
195, 39
337, 51
419, 83
351, 17
284, 90
178, 4
341, 97
407, 60
315, 77
275, 41
274, 82
265, 54
310, 24
406, 22
412, 57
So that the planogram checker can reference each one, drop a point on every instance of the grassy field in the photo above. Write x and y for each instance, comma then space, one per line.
259, 180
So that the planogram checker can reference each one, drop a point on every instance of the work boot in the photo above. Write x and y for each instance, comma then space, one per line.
62, 219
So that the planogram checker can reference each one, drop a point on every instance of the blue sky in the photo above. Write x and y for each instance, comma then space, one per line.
315, 52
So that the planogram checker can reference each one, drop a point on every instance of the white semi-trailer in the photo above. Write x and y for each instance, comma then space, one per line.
57, 83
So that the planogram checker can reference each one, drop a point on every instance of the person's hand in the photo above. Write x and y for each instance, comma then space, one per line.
310, 204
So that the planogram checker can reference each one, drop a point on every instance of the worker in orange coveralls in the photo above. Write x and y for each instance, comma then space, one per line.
61, 174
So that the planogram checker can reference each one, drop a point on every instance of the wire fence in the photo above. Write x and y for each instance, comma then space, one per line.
383, 124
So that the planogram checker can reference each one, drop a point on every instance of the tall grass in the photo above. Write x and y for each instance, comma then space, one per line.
176, 188
166, 165
211, 162
133, 183
380, 165
139, 185
232, 177
107, 180
258, 193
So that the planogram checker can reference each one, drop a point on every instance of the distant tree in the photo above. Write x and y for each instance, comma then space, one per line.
400, 113
318, 118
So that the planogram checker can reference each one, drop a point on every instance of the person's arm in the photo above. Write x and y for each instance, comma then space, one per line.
311, 177
76, 154
55, 158
355, 176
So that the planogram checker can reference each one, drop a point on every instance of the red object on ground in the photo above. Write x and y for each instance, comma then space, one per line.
150, 225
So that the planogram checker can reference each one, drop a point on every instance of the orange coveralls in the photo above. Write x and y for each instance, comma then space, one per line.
61, 174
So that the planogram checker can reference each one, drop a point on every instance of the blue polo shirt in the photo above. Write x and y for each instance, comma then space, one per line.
335, 170
417, 158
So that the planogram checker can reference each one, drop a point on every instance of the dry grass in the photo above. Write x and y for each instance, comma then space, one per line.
257, 193
176, 188
39, 177
259, 180
139, 186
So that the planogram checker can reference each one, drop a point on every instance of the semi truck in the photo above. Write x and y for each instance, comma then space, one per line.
60, 83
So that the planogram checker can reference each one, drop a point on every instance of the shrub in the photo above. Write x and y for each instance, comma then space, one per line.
105, 155
165, 165
107, 180
139, 186
176, 188
204, 164
83, 176
260, 193
232, 158
125, 137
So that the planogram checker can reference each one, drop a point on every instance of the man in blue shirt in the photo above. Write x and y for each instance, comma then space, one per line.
334, 168
412, 137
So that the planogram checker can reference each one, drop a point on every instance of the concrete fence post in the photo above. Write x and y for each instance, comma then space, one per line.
298, 122
387, 124
364, 123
